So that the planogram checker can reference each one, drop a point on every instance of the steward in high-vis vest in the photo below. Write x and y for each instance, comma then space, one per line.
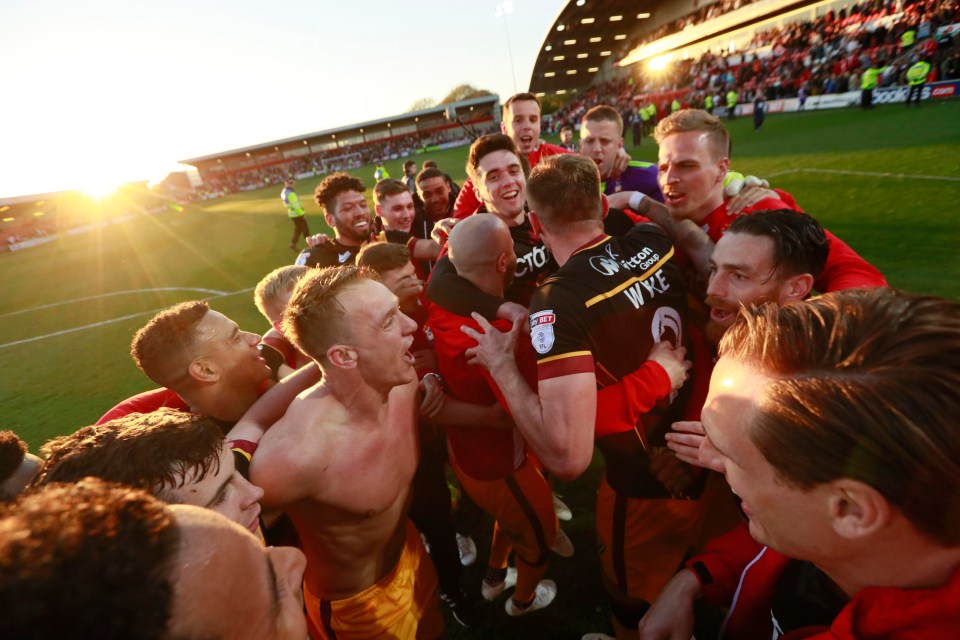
708, 103
674, 106
297, 215
649, 116
868, 84
908, 39
917, 78
732, 98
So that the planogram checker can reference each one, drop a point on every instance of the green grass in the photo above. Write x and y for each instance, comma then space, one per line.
905, 226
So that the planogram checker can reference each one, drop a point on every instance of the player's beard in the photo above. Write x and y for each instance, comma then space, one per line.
713, 331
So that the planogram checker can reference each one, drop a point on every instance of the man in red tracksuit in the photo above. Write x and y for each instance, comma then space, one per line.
833, 420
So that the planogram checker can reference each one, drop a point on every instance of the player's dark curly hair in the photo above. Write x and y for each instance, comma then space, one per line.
332, 186
87, 560
485, 145
153, 451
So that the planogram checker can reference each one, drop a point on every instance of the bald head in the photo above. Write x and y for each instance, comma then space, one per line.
481, 249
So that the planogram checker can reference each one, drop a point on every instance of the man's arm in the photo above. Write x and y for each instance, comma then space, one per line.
557, 424
273, 404
685, 234
458, 295
425, 250
671, 615
457, 413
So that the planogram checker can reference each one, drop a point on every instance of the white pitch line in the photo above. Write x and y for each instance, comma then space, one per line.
110, 321
872, 174
213, 292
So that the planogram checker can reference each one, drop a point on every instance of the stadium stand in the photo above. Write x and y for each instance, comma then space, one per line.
822, 56
347, 147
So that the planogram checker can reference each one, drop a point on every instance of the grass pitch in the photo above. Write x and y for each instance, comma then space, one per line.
887, 182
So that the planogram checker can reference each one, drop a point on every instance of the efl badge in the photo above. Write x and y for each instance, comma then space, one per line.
541, 330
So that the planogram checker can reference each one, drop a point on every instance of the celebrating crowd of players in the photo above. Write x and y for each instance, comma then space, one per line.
790, 459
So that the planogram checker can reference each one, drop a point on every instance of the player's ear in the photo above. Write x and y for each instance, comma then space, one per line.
476, 191
856, 509
797, 287
343, 356
535, 222
203, 371
722, 167
502, 263
503, 127
605, 204
330, 220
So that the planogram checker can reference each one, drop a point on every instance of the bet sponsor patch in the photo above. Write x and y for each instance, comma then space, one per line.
541, 330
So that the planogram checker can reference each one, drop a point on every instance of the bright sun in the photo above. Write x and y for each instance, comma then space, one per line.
100, 190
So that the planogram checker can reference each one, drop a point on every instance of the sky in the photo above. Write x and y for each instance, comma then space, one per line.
103, 92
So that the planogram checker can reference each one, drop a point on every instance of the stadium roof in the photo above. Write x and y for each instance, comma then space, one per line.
462, 106
589, 36
582, 38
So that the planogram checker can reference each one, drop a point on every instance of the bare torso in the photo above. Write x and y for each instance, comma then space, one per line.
344, 479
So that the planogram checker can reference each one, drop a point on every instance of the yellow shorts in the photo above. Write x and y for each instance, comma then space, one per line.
523, 506
402, 605
642, 543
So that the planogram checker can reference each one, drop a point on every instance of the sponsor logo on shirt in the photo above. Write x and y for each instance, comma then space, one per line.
541, 330
344, 256
532, 261
611, 263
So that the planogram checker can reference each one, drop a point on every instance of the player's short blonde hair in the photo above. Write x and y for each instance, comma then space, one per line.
273, 285
696, 120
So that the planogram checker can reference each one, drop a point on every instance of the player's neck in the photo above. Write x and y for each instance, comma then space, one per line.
347, 242
511, 221
915, 563
490, 282
711, 203
564, 246
359, 399
220, 402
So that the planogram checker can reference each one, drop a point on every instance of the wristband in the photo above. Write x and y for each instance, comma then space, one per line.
635, 199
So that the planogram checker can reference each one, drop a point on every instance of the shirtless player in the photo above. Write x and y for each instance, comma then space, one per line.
340, 462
